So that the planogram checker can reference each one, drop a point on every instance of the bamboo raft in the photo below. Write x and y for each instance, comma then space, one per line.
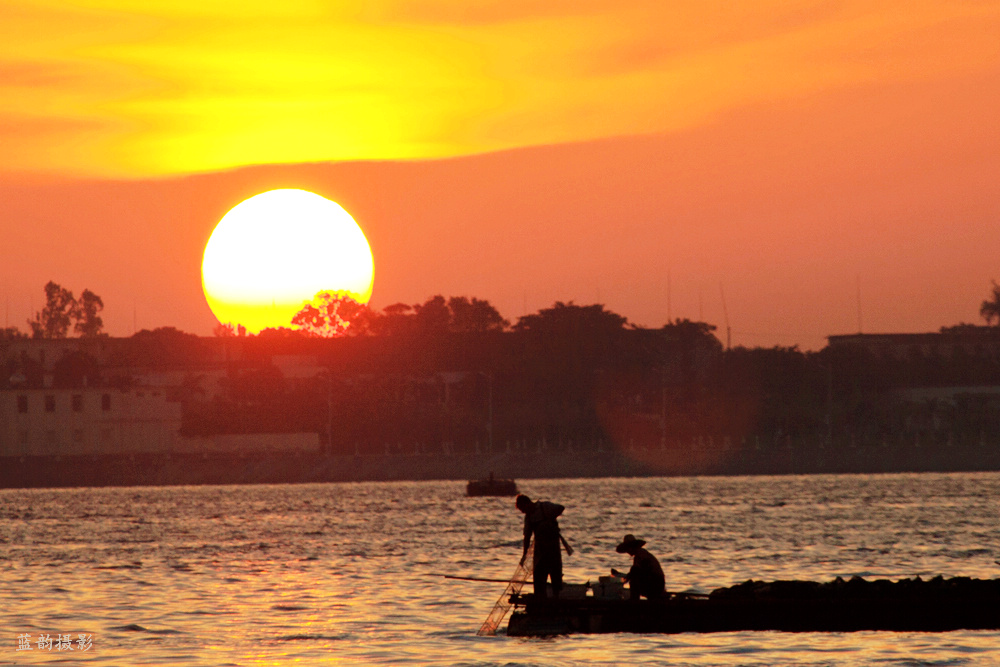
908, 605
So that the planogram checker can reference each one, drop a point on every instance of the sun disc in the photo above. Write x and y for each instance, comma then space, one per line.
273, 252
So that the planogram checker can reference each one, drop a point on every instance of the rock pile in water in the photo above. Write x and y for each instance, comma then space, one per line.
858, 587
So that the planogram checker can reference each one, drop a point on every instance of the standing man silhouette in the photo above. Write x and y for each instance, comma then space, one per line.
541, 520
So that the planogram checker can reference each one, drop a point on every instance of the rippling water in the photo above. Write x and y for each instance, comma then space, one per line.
350, 573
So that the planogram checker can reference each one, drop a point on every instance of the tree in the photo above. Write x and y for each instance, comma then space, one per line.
433, 316
58, 314
571, 320
227, 330
990, 309
88, 322
396, 320
62, 310
692, 338
330, 314
474, 315
166, 347
11, 333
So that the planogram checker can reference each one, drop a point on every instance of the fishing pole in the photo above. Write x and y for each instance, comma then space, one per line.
494, 581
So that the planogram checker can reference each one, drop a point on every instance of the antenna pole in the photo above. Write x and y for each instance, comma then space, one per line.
725, 316
669, 314
858, 281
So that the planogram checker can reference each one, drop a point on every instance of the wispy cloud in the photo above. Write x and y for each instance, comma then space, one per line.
135, 88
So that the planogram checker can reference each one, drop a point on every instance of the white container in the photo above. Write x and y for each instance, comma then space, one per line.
609, 588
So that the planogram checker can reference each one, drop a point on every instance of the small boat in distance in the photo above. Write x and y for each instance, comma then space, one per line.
491, 487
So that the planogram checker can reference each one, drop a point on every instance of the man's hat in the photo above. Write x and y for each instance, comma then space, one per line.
629, 542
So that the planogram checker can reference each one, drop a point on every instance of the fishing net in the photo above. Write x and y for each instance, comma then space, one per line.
503, 605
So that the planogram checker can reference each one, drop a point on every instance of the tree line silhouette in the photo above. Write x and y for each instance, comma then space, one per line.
451, 375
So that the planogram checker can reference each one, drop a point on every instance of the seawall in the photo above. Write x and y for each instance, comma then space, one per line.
303, 467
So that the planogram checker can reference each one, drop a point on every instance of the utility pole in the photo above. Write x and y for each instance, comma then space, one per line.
829, 404
663, 409
329, 411
669, 314
489, 414
725, 315
858, 281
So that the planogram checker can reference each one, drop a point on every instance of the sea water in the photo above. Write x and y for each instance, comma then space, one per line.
334, 574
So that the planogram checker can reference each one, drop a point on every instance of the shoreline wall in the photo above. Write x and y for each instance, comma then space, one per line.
306, 467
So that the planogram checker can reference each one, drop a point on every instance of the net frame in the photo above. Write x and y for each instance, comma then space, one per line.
503, 605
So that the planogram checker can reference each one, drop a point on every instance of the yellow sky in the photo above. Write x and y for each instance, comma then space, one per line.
159, 87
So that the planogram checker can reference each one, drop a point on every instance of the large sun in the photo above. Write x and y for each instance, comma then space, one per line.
273, 252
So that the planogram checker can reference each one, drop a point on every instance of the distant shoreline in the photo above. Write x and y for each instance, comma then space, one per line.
302, 467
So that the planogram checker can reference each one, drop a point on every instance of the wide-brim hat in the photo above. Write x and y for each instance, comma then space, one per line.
629, 542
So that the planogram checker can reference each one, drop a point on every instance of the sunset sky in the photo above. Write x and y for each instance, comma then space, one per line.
824, 165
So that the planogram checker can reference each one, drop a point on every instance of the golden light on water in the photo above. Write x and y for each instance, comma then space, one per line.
273, 252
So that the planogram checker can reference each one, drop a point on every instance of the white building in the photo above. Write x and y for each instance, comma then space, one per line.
68, 422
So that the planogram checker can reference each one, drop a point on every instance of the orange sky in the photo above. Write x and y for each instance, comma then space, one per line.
522, 152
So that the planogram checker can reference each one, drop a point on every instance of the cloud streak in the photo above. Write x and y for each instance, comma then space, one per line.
132, 89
